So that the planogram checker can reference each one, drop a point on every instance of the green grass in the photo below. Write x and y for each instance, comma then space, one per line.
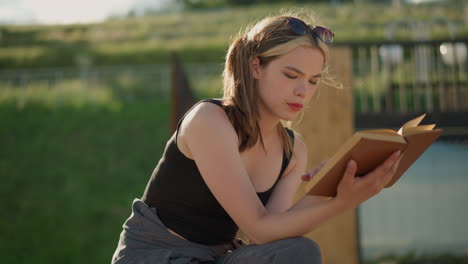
69, 175
71, 161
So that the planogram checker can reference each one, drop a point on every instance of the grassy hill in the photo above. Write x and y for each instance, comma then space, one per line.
200, 36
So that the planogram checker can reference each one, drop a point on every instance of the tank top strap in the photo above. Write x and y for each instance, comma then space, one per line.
291, 134
217, 102
286, 160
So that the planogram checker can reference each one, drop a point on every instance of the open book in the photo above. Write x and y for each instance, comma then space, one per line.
369, 148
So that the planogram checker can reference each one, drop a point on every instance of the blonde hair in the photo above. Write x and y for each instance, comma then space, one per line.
267, 39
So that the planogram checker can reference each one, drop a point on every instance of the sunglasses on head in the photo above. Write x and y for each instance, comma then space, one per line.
299, 27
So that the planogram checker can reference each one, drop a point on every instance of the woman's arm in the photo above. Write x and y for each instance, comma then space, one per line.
213, 144
285, 191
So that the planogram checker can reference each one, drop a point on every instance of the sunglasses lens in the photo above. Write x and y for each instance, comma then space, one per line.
324, 34
300, 28
297, 26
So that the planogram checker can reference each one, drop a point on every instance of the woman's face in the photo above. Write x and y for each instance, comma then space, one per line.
287, 83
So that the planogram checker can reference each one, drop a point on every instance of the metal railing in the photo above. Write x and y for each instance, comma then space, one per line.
392, 77
410, 76
125, 83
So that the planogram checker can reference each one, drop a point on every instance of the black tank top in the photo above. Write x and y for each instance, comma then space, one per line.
183, 200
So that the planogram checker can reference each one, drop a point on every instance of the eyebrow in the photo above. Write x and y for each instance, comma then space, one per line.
300, 72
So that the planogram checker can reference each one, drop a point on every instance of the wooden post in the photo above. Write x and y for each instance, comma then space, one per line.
324, 127
182, 97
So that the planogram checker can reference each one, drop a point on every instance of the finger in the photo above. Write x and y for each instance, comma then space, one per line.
313, 172
396, 164
388, 163
393, 170
319, 167
309, 175
350, 172
322, 163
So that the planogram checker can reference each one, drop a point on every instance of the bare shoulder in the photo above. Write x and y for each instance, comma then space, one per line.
202, 123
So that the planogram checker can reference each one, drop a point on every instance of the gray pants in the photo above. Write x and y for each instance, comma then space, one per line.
146, 240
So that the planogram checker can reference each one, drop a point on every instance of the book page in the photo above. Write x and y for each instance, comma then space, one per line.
377, 131
412, 123
419, 129
382, 134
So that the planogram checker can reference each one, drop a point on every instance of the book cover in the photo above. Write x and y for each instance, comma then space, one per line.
369, 148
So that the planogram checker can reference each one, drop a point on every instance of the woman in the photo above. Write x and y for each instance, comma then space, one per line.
232, 164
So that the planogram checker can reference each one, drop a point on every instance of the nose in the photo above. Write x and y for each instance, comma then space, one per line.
300, 90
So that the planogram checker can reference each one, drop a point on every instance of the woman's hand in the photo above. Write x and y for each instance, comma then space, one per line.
353, 190
309, 175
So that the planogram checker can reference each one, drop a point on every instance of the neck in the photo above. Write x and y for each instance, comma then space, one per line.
268, 123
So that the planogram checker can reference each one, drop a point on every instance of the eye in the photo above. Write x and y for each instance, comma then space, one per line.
313, 82
290, 76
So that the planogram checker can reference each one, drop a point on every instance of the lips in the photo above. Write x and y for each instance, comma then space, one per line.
295, 107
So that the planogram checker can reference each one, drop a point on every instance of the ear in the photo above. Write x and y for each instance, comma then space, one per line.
254, 64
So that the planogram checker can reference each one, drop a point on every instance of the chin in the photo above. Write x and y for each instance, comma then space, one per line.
289, 116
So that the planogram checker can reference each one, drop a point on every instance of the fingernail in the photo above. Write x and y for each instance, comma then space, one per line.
350, 164
398, 153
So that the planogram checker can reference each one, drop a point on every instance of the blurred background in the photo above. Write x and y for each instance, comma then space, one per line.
85, 114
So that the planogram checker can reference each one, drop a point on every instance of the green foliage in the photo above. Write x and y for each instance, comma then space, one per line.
200, 4
199, 35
